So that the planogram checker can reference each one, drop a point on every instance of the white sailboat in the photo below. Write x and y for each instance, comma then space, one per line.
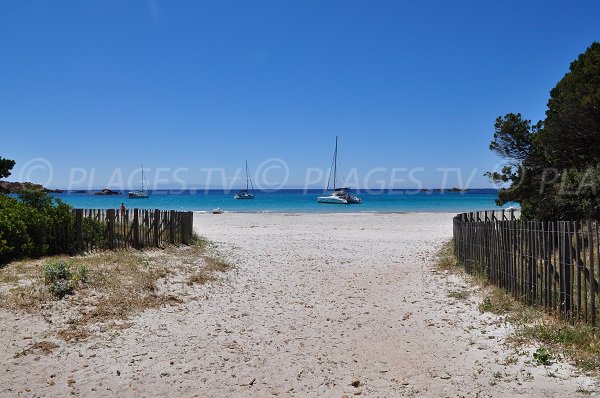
140, 193
339, 196
245, 193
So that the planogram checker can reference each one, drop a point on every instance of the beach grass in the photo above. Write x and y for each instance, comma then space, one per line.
106, 287
579, 342
446, 260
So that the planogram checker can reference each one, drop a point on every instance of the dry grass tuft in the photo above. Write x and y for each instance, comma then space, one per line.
446, 261
17, 271
29, 298
200, 278
213, 264
124, 283
41, 347
116, 285
459, 294
499, 302
74, 333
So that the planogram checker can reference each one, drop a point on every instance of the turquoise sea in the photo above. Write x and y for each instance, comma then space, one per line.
294, 200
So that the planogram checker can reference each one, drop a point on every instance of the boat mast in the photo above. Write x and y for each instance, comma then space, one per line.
247, 175
335, 161
142, 178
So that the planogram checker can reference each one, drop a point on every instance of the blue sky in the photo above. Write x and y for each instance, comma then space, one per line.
97, 88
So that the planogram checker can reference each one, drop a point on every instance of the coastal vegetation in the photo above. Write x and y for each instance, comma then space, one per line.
553, 337
83, 294
538, 275
27, 224
552, 167
63, 278
102, 290
34, 224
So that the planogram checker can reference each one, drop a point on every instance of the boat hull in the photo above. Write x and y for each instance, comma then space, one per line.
353, 200
332, 200
138, 195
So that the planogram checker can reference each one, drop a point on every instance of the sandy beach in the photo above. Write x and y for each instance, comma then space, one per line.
319, 305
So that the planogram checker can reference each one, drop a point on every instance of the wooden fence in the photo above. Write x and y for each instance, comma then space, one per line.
94, 229
554, 265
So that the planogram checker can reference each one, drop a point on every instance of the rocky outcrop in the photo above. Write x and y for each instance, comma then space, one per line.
107, 191
18, 187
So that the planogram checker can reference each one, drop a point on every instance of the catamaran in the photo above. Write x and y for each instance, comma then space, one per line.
339, 196
140, 193
245, 193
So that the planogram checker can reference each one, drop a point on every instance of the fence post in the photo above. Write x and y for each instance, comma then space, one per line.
136, 229
172, 227
156, 227
190, 227
579, 267
592, 284
79, 230
110, 224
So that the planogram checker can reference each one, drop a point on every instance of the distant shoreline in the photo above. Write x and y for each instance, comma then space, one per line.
16, 186
293, 201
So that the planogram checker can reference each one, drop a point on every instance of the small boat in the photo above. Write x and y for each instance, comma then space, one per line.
140, 193
339, 196
217, 211
245, 193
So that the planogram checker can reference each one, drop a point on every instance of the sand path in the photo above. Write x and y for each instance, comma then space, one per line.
317, 303
323, 301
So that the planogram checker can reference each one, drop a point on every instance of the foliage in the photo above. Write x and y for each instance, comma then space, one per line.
94, 233
576, 341
552, 167
62, 278
57, 275
23, 230
3, 244
6, 166
31, 225
542, 356
56, 270
36, 199
81, 274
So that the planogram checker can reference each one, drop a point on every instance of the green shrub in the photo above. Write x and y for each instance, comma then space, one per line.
94, 233
3, 245
61, 288
58, 276
37, 199
56, 270
34, 225
80, 274
542, 356
23, 230
59, 215
63, 278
